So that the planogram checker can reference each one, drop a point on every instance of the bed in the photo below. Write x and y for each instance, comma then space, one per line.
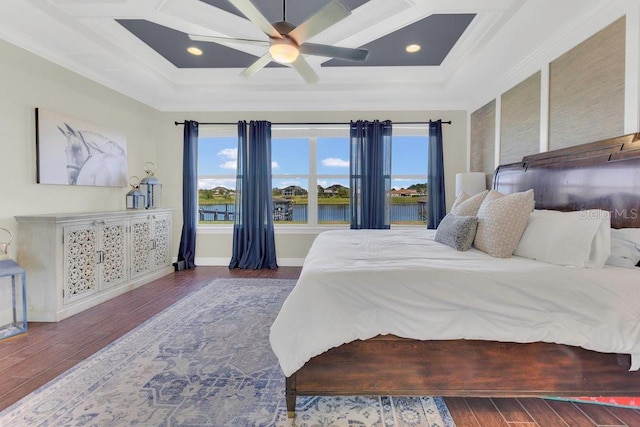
359, 347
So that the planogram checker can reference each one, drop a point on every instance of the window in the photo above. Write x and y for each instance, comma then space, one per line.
409, 180
333, 180
310, 176
290, 180
217, 159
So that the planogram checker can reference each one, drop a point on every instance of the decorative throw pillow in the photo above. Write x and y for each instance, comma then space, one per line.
501, 222
457, 231
470, 205
459, 199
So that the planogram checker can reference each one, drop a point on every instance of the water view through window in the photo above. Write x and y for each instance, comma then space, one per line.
310, 180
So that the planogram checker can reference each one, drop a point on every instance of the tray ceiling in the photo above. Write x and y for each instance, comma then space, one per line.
138, 47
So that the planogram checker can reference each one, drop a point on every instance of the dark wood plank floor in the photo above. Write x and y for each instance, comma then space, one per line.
48, 349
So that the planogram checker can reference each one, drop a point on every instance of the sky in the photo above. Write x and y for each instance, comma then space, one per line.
218, 156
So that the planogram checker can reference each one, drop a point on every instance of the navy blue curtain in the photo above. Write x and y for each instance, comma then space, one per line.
436, 205
253, 237
187, 249
370, 174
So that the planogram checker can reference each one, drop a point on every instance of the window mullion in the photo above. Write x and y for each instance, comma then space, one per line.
312, 206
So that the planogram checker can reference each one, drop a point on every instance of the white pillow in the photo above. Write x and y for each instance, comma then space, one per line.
580, 239
629, 234
625, 247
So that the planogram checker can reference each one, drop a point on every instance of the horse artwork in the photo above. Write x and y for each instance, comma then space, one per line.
92, 159
76, 153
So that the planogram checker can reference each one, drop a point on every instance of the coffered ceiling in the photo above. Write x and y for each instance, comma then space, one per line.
138, 47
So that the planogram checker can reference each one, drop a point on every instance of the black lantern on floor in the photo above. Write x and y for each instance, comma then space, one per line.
151, 188
135, 198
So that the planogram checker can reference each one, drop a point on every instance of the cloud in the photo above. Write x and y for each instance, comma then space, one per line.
335, 162
231, 164
274, 165
209, 183
229, 153
230, 157
286, 183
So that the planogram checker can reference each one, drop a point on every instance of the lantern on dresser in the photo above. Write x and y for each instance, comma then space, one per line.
151, 188
135, 198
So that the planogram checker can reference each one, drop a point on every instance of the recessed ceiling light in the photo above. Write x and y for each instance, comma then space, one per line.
194, 51
412, 48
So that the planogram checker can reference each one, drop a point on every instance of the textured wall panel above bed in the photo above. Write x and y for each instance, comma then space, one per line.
483, 138
586, 89
520, 120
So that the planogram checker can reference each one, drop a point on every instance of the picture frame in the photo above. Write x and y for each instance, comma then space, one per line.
73, 152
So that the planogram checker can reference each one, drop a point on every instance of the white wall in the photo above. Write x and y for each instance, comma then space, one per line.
29, 82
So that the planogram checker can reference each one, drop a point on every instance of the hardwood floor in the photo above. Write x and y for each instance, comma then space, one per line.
48, 349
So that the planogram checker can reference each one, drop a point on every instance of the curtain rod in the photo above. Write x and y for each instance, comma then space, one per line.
315, 123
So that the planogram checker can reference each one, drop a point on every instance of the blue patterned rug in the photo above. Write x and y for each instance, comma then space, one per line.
204, 361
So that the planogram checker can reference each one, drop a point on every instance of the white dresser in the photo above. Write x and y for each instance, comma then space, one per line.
76, 261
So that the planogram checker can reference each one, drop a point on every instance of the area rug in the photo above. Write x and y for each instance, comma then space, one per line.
205, 361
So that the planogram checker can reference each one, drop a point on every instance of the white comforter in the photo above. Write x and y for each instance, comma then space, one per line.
357, 284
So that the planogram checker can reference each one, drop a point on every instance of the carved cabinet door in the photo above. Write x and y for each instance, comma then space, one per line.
95, 258
161, 246
80, 261
141, 246
112, 253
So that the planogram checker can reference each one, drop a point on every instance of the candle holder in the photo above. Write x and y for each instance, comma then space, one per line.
135, 199
151, 187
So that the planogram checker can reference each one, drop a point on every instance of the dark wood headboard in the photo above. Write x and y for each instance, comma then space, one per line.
603, 175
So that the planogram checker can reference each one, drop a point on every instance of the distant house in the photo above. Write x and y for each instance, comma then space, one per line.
404, 193
336, 190
223, 191
288, 192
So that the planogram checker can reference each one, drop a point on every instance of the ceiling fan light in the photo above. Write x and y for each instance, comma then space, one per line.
284, 52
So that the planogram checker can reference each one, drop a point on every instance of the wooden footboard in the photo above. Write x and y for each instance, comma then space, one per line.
393, 366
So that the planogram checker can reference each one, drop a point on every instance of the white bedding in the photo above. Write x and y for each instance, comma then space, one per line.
356, 284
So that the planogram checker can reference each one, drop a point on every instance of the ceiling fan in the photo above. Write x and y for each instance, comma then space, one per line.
287, 42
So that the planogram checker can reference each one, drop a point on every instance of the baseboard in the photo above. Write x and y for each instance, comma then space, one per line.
290, 262
216, 261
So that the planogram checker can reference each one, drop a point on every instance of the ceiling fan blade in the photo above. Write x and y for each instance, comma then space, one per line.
334, 51
249, 10
304, 69
217, 39
257, 66
323, 19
